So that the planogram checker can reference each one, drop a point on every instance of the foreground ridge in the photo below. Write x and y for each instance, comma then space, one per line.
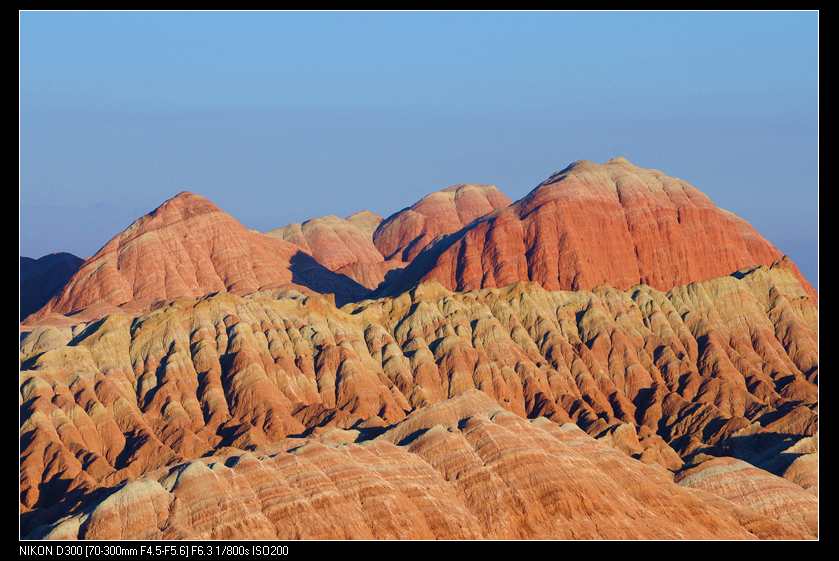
464, 469
726, 367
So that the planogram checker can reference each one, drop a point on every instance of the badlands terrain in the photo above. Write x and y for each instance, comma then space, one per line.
611, 356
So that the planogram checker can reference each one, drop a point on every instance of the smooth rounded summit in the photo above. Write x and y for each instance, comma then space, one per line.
186, 247
596, 224
405, 234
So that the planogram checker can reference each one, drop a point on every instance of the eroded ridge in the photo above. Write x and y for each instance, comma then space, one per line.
722, 367
466, 469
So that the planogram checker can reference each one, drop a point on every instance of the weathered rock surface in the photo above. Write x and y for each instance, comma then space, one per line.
463, 468
802, 464
334, 242
405, 234
591, 224
366, 221
187, 247
366, 248
43, 278
747, 486
657, 377
195, 379
342, 245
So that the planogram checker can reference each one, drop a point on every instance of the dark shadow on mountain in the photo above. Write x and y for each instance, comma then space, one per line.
306, 271
762, 450
36, 523
743, 273
87, 332
389, 280
409, 247
400, 280
229, 433
411, 437
780, 412
30, 362
369, 433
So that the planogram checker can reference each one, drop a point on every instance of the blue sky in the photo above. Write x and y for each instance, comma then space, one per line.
279, 117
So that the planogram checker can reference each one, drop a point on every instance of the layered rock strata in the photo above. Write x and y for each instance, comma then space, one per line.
660, 377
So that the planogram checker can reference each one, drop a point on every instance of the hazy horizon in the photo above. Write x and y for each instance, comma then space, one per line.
281, 117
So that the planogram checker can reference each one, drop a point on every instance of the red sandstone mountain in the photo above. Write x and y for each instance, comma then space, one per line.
366, 248
342, 245
187, 247
405, 234
522, 411
334, 242
594, 224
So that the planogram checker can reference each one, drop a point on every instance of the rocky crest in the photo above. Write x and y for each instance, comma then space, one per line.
594, 224
755, 489
366, 221
187, 247
342, 245
334, 242
612, 356
405, 234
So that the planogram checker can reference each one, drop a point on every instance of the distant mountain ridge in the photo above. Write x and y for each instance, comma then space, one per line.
404, 234
188, 247
592, 224
43, 278
343, 245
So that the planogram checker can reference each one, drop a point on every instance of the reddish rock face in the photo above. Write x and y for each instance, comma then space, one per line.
727, 366
460, 469
590, 224
334, 242
187, 247
342, 245
366, 249
753, 488
405, 234
514, 412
